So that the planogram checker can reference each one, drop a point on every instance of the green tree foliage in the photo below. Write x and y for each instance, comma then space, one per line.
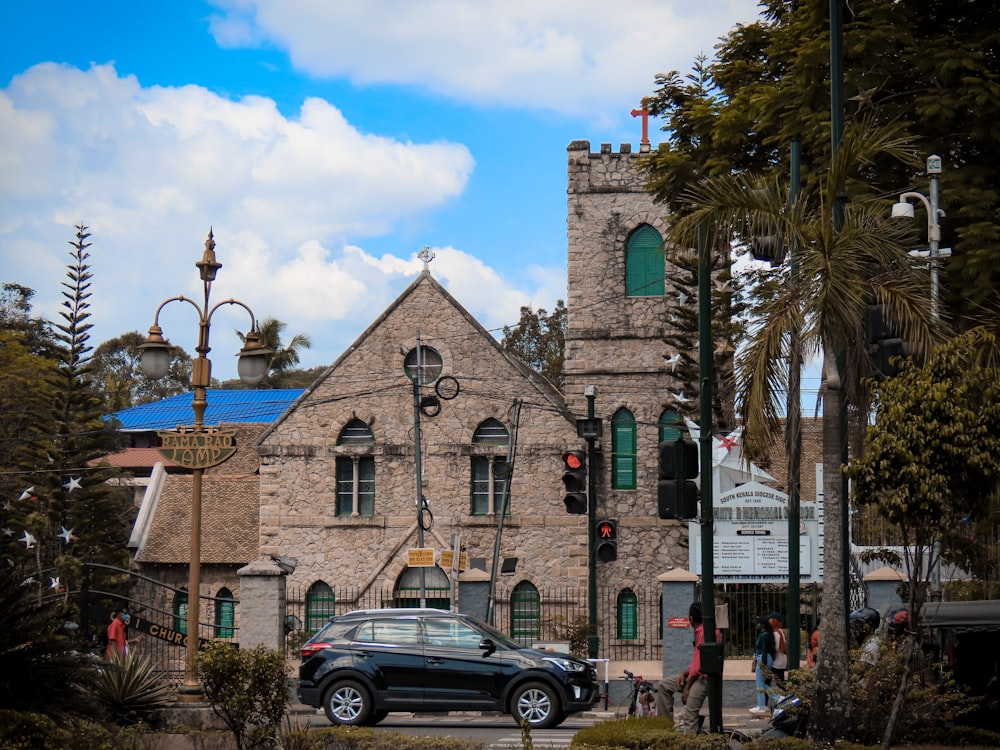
70, 514
118, 375
40, 668
539, 340
931, 464
824, 304
248, 690
932, 66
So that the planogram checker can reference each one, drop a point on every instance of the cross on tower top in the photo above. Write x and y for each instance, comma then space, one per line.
644, 113
426, 255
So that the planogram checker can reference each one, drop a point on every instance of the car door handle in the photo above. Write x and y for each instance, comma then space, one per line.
435, 660
366, 654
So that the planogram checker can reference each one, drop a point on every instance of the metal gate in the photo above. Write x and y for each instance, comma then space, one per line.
159, 624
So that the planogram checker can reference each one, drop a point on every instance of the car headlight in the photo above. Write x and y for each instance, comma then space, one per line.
567, 665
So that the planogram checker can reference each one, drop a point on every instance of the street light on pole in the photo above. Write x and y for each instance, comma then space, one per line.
904, 210
199, 447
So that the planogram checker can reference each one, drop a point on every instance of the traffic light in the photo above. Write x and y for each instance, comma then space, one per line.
575, 480
883, 343
606, 543
676, 494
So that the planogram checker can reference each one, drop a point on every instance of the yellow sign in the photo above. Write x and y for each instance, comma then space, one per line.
420, 558
197, 450
448, 557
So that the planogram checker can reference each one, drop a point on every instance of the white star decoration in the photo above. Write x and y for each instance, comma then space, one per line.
7, 531
27, 493
72, 484
680, 398
29, 540
54, 583
66, 535
673, 360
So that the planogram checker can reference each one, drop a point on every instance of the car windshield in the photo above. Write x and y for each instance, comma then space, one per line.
495, 635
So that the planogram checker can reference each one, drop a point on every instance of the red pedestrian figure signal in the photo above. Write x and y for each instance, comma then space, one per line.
607, 541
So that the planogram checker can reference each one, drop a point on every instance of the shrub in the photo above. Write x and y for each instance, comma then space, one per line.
636, 734
247, 689
130, 689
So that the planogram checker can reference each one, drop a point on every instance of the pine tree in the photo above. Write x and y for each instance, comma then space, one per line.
71, 514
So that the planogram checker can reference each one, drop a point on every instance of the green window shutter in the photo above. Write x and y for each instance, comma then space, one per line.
628, 615
320, 606
525, 613
225, 614
671, 425
181, 612
623, 451
644, 263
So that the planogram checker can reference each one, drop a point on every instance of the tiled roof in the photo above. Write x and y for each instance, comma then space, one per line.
224, 405
135, 458
230, 510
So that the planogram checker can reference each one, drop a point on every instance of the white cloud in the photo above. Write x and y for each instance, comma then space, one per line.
150, 170
578, 57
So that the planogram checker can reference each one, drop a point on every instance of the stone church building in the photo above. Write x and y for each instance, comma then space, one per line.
427, 392
338, 487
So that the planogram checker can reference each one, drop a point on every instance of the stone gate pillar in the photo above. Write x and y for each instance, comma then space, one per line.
262, 605
678, 594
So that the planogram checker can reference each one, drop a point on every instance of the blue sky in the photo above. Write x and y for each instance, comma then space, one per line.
324, 142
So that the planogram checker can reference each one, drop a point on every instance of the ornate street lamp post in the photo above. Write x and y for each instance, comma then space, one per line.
198, 447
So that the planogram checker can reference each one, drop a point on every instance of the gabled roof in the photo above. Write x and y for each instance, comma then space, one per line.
224, 405
537, 382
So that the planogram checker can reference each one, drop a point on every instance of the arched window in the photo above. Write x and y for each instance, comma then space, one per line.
671, 425
181, 612
356, 471
628, 615
489, 468
225, 614
623, 450
320, 606
437, 588
644, 265
525, 613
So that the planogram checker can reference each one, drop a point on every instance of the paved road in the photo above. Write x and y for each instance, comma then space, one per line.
500, 731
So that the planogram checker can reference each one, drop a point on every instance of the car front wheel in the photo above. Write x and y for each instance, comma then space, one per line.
347, 703
537, 704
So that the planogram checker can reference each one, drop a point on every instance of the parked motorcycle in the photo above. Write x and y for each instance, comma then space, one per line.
788, 719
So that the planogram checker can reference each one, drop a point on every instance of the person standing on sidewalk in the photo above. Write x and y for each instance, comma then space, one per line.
692, 684
763, 660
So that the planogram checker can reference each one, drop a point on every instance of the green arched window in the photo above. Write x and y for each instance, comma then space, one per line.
623, 450
320, 606
671, 425
525, 613
628, 615
225, 614
181, 612
644, 263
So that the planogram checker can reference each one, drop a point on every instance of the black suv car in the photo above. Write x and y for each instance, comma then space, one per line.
364, 664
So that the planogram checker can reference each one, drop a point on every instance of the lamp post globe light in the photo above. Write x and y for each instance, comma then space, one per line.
904, 210
199, 447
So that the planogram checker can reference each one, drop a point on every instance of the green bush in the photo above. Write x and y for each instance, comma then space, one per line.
635, 734
130, 689
247, 689
366, 738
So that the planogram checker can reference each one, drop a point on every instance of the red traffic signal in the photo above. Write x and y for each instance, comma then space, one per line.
575, 480
606, 542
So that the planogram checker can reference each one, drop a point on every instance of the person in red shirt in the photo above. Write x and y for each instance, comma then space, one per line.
116, 635
692, 684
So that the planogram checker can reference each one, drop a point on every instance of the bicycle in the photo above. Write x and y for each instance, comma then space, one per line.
642, 696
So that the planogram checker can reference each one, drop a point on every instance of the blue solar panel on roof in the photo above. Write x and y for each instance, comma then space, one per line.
262, 406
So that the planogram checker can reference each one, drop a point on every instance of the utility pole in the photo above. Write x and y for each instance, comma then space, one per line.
593, 641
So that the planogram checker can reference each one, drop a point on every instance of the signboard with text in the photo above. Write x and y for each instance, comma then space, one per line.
750, 537
420, 557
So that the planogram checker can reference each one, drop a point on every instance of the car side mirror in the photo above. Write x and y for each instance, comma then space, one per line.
488, 646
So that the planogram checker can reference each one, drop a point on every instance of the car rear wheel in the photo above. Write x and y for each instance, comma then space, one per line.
537, 704
347, 703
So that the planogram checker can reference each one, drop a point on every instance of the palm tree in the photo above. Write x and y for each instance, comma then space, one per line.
839, 272
284, 357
